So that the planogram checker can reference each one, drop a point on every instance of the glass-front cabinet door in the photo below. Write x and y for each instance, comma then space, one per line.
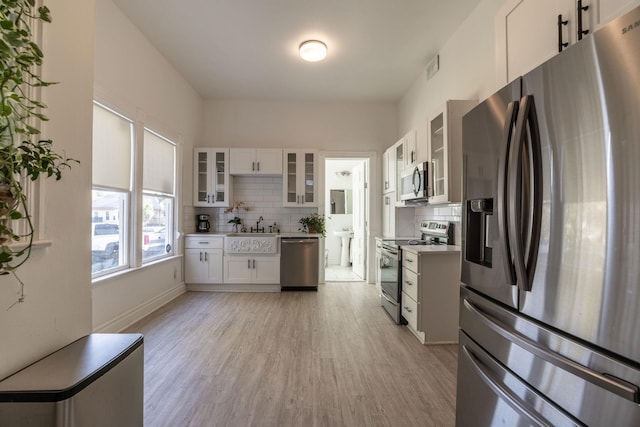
300, 178
437, 153
211, 177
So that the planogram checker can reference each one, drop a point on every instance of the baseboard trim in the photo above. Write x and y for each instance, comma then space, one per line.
128, 318
233, 287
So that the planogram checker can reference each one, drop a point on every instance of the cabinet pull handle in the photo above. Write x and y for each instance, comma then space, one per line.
581, 9
408, 309
249, 264
561, 23
206, 256
254, 264
200, 256
253, 166
302, 199
408, 282
409, 260
258, 169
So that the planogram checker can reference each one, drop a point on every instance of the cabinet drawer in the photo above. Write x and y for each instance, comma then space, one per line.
196, 242
410, 310
410, 283
410, 260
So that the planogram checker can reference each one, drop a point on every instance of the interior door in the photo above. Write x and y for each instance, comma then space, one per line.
358, 246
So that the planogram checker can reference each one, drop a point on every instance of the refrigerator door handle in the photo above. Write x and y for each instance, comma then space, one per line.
502, 199
525, 194
493, 383
621, 388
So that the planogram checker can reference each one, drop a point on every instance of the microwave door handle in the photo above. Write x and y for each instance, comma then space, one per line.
501, 196
416, 181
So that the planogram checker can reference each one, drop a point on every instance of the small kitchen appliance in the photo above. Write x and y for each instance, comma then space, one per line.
203, 223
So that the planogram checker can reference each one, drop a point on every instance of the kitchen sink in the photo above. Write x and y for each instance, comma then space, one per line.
251, 234
251, 243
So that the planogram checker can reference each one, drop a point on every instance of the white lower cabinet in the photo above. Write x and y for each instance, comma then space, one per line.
203, 259
252, 269
430, 293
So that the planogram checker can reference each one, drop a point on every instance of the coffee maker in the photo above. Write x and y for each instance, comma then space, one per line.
203, 223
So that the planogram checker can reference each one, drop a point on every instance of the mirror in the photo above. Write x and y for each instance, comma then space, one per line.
341, 201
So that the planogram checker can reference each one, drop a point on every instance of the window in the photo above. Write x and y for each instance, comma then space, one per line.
133, 222
158, 186
112, 164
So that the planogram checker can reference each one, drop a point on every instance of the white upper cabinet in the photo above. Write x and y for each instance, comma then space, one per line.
445, 148
255, 161
211, 177
389, 171
300, 178
528, 32
610, 9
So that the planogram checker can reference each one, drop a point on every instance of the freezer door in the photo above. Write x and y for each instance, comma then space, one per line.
487, 133
587, 269
491, 395
588, 384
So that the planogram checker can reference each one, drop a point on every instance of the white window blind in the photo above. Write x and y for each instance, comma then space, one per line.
112, 148
159, 164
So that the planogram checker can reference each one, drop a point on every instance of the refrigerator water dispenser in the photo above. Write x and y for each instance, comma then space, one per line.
479, 235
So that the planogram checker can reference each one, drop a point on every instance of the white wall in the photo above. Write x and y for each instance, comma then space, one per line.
320, 125
467, 69
133, 78
57, 309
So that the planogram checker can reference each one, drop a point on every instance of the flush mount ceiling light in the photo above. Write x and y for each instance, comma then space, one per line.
313, 50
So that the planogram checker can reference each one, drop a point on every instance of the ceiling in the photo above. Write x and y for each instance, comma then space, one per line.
248, 49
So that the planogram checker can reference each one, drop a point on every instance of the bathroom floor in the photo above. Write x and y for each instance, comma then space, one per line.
336, 273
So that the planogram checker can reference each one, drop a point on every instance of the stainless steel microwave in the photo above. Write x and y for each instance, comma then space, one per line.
414, 184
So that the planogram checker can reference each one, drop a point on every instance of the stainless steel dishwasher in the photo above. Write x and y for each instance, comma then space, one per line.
299, 263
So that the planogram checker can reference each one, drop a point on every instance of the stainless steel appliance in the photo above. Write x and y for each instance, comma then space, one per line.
299, 263
203, 223
389, 272
550, 298
414, 184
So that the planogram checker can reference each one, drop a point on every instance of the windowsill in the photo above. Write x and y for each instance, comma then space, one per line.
116, 274
18, 246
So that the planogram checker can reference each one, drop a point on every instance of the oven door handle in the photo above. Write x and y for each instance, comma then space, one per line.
384, 295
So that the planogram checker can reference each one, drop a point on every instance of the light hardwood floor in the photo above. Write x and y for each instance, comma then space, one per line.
331, 358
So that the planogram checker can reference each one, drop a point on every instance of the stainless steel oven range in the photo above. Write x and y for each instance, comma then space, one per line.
389, 254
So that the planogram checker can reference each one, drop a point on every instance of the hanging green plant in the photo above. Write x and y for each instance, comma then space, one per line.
22, 154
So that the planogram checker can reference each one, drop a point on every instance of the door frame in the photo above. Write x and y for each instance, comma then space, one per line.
373, 223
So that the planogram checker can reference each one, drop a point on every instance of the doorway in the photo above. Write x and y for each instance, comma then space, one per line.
346, 208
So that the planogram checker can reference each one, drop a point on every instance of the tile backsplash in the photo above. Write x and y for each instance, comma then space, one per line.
451, 213
263, 195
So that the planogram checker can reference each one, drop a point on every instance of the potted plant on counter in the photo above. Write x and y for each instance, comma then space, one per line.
22, 154
314, 223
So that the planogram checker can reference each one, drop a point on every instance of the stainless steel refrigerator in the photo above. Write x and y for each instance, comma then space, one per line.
550, 293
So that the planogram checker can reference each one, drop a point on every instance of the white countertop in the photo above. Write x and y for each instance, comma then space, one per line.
431, 249
284, 234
